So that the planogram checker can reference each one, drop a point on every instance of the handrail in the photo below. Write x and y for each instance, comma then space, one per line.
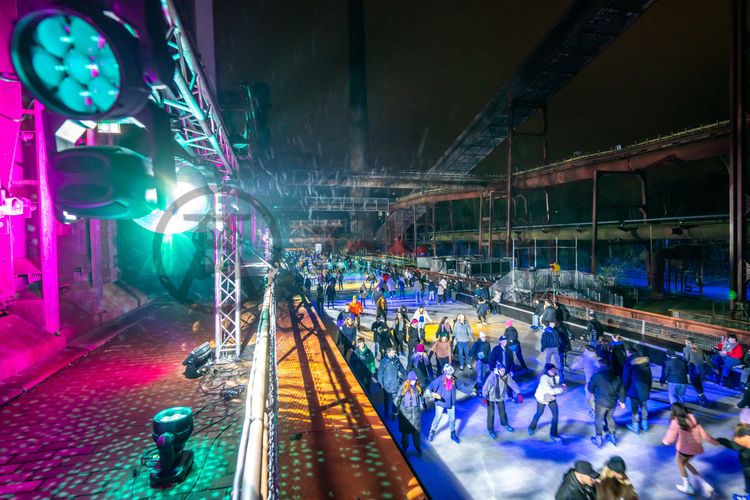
252, 460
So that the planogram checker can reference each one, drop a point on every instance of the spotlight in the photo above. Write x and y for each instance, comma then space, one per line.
171, 429
88, 63
197, 362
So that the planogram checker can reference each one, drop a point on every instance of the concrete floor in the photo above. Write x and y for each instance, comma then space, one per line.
518, 466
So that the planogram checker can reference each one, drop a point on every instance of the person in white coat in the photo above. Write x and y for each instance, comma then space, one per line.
546, 396
422, 319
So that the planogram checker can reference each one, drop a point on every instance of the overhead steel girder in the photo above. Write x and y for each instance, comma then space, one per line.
347, 204
438, 196
584, 30
704, 142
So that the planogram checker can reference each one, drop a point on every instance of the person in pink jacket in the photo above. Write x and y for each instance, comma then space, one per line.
689, 435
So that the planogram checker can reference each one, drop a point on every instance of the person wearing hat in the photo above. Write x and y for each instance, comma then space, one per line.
412, 338
674, 373
594, 329
550, 345
546, 393
513, 343
495, 391
614, 482
578, 483
410, 403
419, 363
480, 352
443, 389
502, 354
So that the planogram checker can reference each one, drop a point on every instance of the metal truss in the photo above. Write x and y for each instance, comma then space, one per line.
198, 127
301, 229
347, 204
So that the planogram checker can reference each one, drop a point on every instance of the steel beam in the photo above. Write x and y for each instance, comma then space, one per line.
435, 197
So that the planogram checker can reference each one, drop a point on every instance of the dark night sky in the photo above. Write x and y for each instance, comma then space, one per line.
432, 65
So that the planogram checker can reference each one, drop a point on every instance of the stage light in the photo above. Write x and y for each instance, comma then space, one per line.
103, 182
171, 430
197, 362
82, 61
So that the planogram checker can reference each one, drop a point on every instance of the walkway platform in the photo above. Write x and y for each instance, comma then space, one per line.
517, 466
332, 442
82, 432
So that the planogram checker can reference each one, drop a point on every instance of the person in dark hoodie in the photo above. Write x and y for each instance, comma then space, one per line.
637, 379
548, 314
483, 307
617, 354
551, 347
513, 343
480, 353
578, 483
607, 389
444, 389
674, 373
594, 329
390, 374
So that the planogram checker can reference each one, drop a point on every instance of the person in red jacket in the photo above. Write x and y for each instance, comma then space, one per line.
729, 355
355, 307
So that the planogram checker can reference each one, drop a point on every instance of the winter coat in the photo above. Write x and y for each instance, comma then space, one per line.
548, 386
636, 377
442, 350
550, 338
512, 335
607, 388
733, 352
349, 332
462, 332
483, 308
413, 338
590, 363
495, 388
743, 452
674, 371
692, 357
562, 334
594, 329
390, 374
366, 363
548, 315
447, 396
689, 442
409, 406
617, 356
571, 489
422, 318
419, 363
481, 347
504, 356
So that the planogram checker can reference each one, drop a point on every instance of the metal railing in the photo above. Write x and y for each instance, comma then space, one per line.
256, 472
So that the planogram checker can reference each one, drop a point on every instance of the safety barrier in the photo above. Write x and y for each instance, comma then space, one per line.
256, 473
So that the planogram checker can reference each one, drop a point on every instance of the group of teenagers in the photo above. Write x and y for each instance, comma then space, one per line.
614, 372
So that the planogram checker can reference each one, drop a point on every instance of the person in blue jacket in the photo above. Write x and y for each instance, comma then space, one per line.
443, 390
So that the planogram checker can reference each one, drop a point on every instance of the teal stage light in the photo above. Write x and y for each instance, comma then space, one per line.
78, 64
171, 429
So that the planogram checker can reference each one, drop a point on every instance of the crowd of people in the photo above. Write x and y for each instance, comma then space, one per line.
615, 372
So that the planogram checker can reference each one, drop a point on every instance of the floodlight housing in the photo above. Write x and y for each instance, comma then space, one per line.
171, 430
196, 363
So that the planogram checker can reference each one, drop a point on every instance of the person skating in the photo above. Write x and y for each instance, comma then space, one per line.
400, 329
422, 319
607, 389
496, 302
688, 435
550, 346
483, 308
674, 373
696, 360
514, 343
463, 336
355, 307
501, 353
413, 336
381, 308
390, 374
546, 393
548, 314
444, 390
495, 391
410, 404
375, 328
617, 354
347, 333
594, 329
740, 443
320, 298
330, 295
480, 352
614, 482
637, 379
419, 363
442, 352
590, 363
364, 367
578, 483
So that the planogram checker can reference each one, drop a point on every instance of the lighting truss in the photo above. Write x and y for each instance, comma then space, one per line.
347, 204
198, 127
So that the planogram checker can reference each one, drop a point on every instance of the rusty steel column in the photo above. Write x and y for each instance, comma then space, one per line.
594, 227
737, 158
509, 182
489, 225
481, 216
434, 241
414, 212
